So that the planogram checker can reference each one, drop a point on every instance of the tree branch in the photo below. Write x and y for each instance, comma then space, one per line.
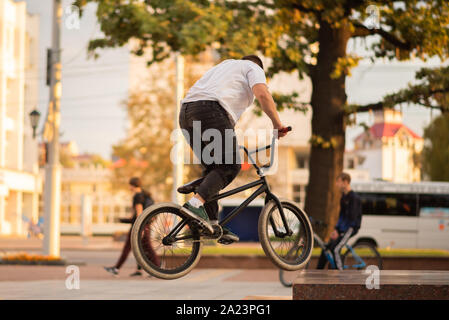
381, 106
365, 108
384, 105
362, 31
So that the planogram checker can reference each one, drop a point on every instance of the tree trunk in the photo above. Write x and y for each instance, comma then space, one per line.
328, 122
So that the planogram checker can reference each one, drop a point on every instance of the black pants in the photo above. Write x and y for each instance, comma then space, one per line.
221, 164
335, 246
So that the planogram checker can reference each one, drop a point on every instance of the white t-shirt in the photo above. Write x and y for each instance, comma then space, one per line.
230, 83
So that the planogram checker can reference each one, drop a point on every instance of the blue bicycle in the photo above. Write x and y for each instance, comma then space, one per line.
361, 254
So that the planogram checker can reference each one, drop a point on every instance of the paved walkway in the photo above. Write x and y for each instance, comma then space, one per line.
49, 282
23, 282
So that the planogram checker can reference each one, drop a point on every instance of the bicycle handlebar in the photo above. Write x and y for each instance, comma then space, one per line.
286, 129
269, 146
283, 130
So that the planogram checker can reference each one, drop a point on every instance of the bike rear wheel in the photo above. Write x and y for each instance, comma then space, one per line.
291, 252
367, 251
157, 256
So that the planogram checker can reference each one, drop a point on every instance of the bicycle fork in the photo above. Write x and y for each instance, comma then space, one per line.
288, 231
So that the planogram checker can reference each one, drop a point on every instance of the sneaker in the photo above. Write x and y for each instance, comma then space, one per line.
135, 274
112, 270
199, 215
229, 236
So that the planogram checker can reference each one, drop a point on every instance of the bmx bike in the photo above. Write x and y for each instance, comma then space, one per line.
358, 256
177, 240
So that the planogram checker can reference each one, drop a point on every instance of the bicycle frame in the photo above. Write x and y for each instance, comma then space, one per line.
264, 188
329, 256
359, 259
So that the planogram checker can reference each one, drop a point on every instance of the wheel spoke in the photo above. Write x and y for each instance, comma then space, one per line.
161, 257
292, 249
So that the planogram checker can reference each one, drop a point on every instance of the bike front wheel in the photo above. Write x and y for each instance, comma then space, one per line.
162, 256
287, 277
288, 252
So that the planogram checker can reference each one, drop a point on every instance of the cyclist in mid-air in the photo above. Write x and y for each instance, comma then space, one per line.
348, 222
217, 101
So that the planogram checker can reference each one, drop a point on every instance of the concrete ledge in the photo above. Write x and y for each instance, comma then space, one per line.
351, 285
267, 298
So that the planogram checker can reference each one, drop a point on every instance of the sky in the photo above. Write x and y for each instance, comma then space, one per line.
92, 112
93, 91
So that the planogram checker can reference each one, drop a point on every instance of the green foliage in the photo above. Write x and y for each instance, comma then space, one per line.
287, 31
414, 27
436, 150
165, 26
344, 66
285, 101
320, 142
431, 90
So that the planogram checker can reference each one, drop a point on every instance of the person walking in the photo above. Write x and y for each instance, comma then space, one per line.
141, 200
348, 224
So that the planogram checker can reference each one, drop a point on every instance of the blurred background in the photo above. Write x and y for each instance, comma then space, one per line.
105, 135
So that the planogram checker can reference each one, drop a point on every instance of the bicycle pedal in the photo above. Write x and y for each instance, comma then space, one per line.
225, 241
208, 236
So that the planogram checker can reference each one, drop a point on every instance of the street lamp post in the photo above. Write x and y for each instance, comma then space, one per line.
52, 189
34, 119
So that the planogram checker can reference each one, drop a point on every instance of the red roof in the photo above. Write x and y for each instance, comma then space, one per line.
383, 129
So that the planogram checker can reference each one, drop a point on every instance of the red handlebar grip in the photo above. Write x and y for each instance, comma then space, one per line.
285, 130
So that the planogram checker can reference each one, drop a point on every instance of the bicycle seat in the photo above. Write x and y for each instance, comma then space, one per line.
190, 186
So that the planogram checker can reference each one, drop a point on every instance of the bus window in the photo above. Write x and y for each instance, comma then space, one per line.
434, 205
389, 204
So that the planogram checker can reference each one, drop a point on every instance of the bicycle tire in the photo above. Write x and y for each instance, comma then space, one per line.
286, 283
300, 261
284, 279
139, 253
375, 255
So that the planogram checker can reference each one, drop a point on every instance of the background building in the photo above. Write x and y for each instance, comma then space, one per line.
389, 150
88, 197
19, 179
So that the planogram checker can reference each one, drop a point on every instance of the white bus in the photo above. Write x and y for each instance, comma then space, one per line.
404, 215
